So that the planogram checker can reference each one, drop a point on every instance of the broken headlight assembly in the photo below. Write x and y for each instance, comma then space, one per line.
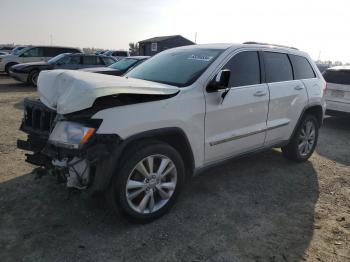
70, 135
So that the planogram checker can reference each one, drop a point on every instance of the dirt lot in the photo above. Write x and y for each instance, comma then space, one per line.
260, 208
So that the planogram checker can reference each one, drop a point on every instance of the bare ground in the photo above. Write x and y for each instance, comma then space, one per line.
259, 208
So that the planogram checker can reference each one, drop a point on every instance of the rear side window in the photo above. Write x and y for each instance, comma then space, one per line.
52, 51
337, 76
245, 69
302, 67
92, 60
277, 67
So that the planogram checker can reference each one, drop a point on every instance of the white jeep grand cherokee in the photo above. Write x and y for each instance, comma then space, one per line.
137, 138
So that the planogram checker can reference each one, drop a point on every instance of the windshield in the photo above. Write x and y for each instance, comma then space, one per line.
179, 67
124, 64
57, 58
17, 50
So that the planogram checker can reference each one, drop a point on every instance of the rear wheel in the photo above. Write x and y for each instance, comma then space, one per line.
304, 141
148, 182
33, 77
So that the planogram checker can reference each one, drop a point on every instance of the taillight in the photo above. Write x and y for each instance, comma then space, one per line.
324, 90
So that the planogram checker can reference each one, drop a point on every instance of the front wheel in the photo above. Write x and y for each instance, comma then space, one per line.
33, 77
304, 141
148, 183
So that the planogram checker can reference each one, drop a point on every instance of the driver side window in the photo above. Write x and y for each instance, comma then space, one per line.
245, 69
34, 52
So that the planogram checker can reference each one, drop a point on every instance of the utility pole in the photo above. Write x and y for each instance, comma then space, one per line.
195, 38
50, 39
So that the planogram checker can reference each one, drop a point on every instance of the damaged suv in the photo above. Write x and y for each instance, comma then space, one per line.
138, 138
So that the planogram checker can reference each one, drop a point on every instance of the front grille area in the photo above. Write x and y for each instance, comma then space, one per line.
38, 118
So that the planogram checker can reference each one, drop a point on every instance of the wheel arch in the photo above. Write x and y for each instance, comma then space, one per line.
173, 136
9, 64
316, 110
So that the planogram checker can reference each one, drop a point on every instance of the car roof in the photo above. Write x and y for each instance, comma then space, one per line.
224, 46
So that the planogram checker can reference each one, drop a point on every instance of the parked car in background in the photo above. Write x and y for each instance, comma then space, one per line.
139, 137
29, 72
338, 90
120, 67
33, 54
117, 54
6, 48
3, 53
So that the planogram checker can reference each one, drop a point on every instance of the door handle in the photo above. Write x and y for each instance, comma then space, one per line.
298, 88
260, 93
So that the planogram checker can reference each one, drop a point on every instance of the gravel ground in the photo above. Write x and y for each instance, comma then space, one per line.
259, 208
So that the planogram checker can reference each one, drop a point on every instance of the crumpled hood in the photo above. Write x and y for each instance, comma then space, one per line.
69, 91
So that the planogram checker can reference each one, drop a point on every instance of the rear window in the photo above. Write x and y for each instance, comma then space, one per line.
302, 67
278, 67
337, 76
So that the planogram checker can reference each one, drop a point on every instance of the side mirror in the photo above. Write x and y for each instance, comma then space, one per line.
220, 82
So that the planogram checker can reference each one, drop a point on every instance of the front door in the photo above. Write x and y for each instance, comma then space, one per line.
34, 54
237, 123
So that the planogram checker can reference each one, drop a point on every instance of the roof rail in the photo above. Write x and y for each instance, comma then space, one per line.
258, 43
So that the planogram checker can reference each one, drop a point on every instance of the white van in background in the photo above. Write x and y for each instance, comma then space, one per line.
338, 90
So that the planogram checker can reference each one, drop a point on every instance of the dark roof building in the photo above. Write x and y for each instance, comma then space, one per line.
155, 45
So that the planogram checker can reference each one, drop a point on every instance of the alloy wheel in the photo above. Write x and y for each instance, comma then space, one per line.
151, 184
306, 138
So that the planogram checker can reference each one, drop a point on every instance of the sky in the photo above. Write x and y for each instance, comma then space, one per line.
318, 27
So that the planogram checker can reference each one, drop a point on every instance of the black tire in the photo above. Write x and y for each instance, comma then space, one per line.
33, 77
117, 192
291, 151
8, 66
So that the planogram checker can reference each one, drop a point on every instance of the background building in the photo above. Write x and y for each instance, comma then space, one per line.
155, 45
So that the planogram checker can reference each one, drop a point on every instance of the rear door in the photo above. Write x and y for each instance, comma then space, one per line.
237, 124
288, 97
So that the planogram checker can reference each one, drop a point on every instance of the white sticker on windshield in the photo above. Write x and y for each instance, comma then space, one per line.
200, 57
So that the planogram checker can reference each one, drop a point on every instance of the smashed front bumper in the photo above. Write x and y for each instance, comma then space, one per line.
78, 166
